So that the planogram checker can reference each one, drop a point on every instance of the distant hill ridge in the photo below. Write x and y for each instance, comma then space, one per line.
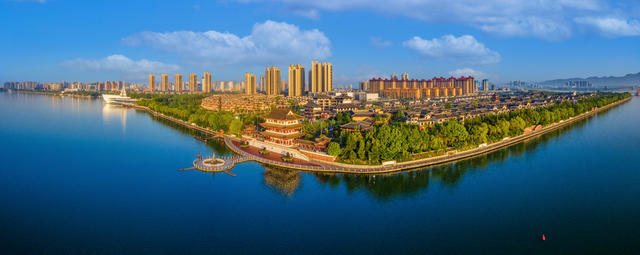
609, 81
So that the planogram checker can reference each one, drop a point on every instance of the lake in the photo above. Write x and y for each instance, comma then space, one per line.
79, 176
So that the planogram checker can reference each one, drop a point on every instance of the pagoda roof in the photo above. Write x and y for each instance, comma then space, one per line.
282, 136
282, 114
360, 125
281, 126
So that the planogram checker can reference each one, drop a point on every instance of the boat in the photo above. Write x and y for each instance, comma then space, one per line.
118, 99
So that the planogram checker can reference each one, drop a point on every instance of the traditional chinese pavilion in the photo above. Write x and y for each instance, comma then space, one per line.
282, 126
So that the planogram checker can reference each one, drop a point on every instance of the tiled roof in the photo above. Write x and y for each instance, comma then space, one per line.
282, 114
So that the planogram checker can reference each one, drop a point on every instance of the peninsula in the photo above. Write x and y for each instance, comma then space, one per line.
374, 137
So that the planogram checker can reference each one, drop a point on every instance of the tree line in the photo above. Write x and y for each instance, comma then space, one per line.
400, 141
187, 107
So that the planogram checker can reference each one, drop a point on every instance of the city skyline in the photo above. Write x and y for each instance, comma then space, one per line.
500, 42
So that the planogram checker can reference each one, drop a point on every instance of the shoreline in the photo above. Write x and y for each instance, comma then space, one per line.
51, 93
334, 167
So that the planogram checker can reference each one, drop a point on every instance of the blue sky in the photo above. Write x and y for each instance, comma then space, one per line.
53, 40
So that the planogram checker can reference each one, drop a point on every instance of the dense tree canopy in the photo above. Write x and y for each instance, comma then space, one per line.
187, 108
400, 141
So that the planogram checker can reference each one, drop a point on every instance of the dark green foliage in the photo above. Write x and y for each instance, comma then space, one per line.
334, 149
399, 141
187, 108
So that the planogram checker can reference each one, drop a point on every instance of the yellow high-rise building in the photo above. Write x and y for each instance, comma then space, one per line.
273, 84
206, 82
250, 83
152, 82
164, 82
320, 77
178, 86
296, 80
193, 82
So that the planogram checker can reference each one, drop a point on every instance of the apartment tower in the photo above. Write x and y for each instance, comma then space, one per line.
296, 80
320, 77
152, 82
178, 86
206, 82
164, 82
193, 82
273, 84
250, 83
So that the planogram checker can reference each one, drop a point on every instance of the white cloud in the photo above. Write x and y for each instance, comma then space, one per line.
465, 49
269, 43
528, 26
379, 42
611, 27
468, 71
547, 19
127, 68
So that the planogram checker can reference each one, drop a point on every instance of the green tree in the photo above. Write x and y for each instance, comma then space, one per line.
334, 149
235, 127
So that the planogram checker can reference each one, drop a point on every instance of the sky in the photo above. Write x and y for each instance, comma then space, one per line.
502, 40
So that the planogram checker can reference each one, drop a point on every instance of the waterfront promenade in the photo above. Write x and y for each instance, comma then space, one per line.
334, 167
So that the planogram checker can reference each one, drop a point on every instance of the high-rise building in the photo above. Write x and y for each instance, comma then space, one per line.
178, 85
405, 76
485, 85
152, 82
296, 80
273, 84
164, 82
364, 85
320, 77
206, 82
193, 82
250, 83
262, 83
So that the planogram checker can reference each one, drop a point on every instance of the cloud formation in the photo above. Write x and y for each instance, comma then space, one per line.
610, 26
269, 43
468, 71
548, 19
127, 68
465, 49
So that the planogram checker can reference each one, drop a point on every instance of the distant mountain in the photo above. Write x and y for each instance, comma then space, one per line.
610, 81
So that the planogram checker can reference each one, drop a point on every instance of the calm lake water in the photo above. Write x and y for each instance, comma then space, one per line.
78, 176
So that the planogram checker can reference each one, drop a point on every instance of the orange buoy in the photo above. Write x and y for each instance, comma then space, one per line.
544, 238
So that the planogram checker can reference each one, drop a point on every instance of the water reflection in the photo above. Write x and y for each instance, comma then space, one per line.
412, 183
216, 145
283, 181
111, 112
